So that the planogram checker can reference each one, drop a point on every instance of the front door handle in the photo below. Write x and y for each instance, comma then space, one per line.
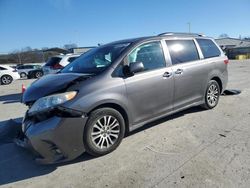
179, 71
167, 74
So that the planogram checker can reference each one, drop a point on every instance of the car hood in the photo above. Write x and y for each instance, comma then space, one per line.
50, 84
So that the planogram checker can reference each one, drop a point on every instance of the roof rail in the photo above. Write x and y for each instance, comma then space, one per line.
181, 34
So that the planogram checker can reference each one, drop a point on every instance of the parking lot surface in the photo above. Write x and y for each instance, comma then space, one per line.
194, 148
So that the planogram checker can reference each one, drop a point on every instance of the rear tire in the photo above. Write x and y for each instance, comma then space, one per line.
104, 131
212, 95
23, 75
6, 79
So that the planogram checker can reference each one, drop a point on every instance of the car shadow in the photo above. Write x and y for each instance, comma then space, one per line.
167, 118
18, 164
12, 98
9, 130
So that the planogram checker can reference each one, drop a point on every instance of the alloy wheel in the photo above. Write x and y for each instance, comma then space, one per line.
105, 132
38, 74
212, 95
6, 80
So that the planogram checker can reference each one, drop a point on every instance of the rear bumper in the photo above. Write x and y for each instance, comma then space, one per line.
54, 140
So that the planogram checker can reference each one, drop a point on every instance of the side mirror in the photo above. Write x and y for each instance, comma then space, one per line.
135, 67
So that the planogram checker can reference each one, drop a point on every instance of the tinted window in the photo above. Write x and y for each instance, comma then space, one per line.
1, 68
72, 59
28, 67
37, 66
150, 54
96, 60
21, 67
208, 48
182, 51
52, 61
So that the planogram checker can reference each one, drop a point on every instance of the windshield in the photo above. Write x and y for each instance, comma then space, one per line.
96, 60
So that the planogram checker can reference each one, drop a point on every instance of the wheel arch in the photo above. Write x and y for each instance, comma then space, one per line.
218, 80
6, 75
117, 107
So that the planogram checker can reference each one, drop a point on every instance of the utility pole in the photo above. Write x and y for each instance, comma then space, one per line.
189, 27
19, 57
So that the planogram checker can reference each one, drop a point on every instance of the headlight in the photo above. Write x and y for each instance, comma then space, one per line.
51, 101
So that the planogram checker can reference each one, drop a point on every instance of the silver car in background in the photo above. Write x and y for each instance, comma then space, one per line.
24, 69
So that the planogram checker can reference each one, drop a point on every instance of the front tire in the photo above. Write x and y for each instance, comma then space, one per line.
104, 131
212, 95
38, 74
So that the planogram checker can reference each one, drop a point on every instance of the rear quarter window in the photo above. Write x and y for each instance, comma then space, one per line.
208, 48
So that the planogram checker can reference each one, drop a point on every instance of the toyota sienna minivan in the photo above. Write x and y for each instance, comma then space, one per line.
116, 88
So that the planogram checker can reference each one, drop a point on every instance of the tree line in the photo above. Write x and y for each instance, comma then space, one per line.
29, 55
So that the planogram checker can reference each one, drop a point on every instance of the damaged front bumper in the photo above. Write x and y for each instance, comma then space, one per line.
55, 136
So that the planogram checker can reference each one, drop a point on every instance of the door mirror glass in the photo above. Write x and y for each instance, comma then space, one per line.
135, 67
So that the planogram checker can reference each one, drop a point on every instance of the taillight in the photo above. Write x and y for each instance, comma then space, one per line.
226, 61
57, 66
23, 88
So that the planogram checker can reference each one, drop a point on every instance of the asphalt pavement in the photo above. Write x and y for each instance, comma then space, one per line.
193, 148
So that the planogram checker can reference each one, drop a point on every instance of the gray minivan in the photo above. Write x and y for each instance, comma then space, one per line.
118, 87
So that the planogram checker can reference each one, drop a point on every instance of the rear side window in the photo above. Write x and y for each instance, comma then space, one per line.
208, 48
52, 61
182, 51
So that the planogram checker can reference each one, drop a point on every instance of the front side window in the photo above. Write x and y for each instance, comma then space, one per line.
150, 54
29, 67
208, 48
182, 51
96, 60
21, 67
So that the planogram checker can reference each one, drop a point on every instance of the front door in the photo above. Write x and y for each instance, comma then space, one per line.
150, 92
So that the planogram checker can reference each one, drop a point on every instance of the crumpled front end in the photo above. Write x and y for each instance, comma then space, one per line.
55, 136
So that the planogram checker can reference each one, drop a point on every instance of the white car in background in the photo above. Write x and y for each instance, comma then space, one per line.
56, 63
8, 74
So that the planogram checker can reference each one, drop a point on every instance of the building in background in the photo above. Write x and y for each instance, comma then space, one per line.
80, 50
235, 48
